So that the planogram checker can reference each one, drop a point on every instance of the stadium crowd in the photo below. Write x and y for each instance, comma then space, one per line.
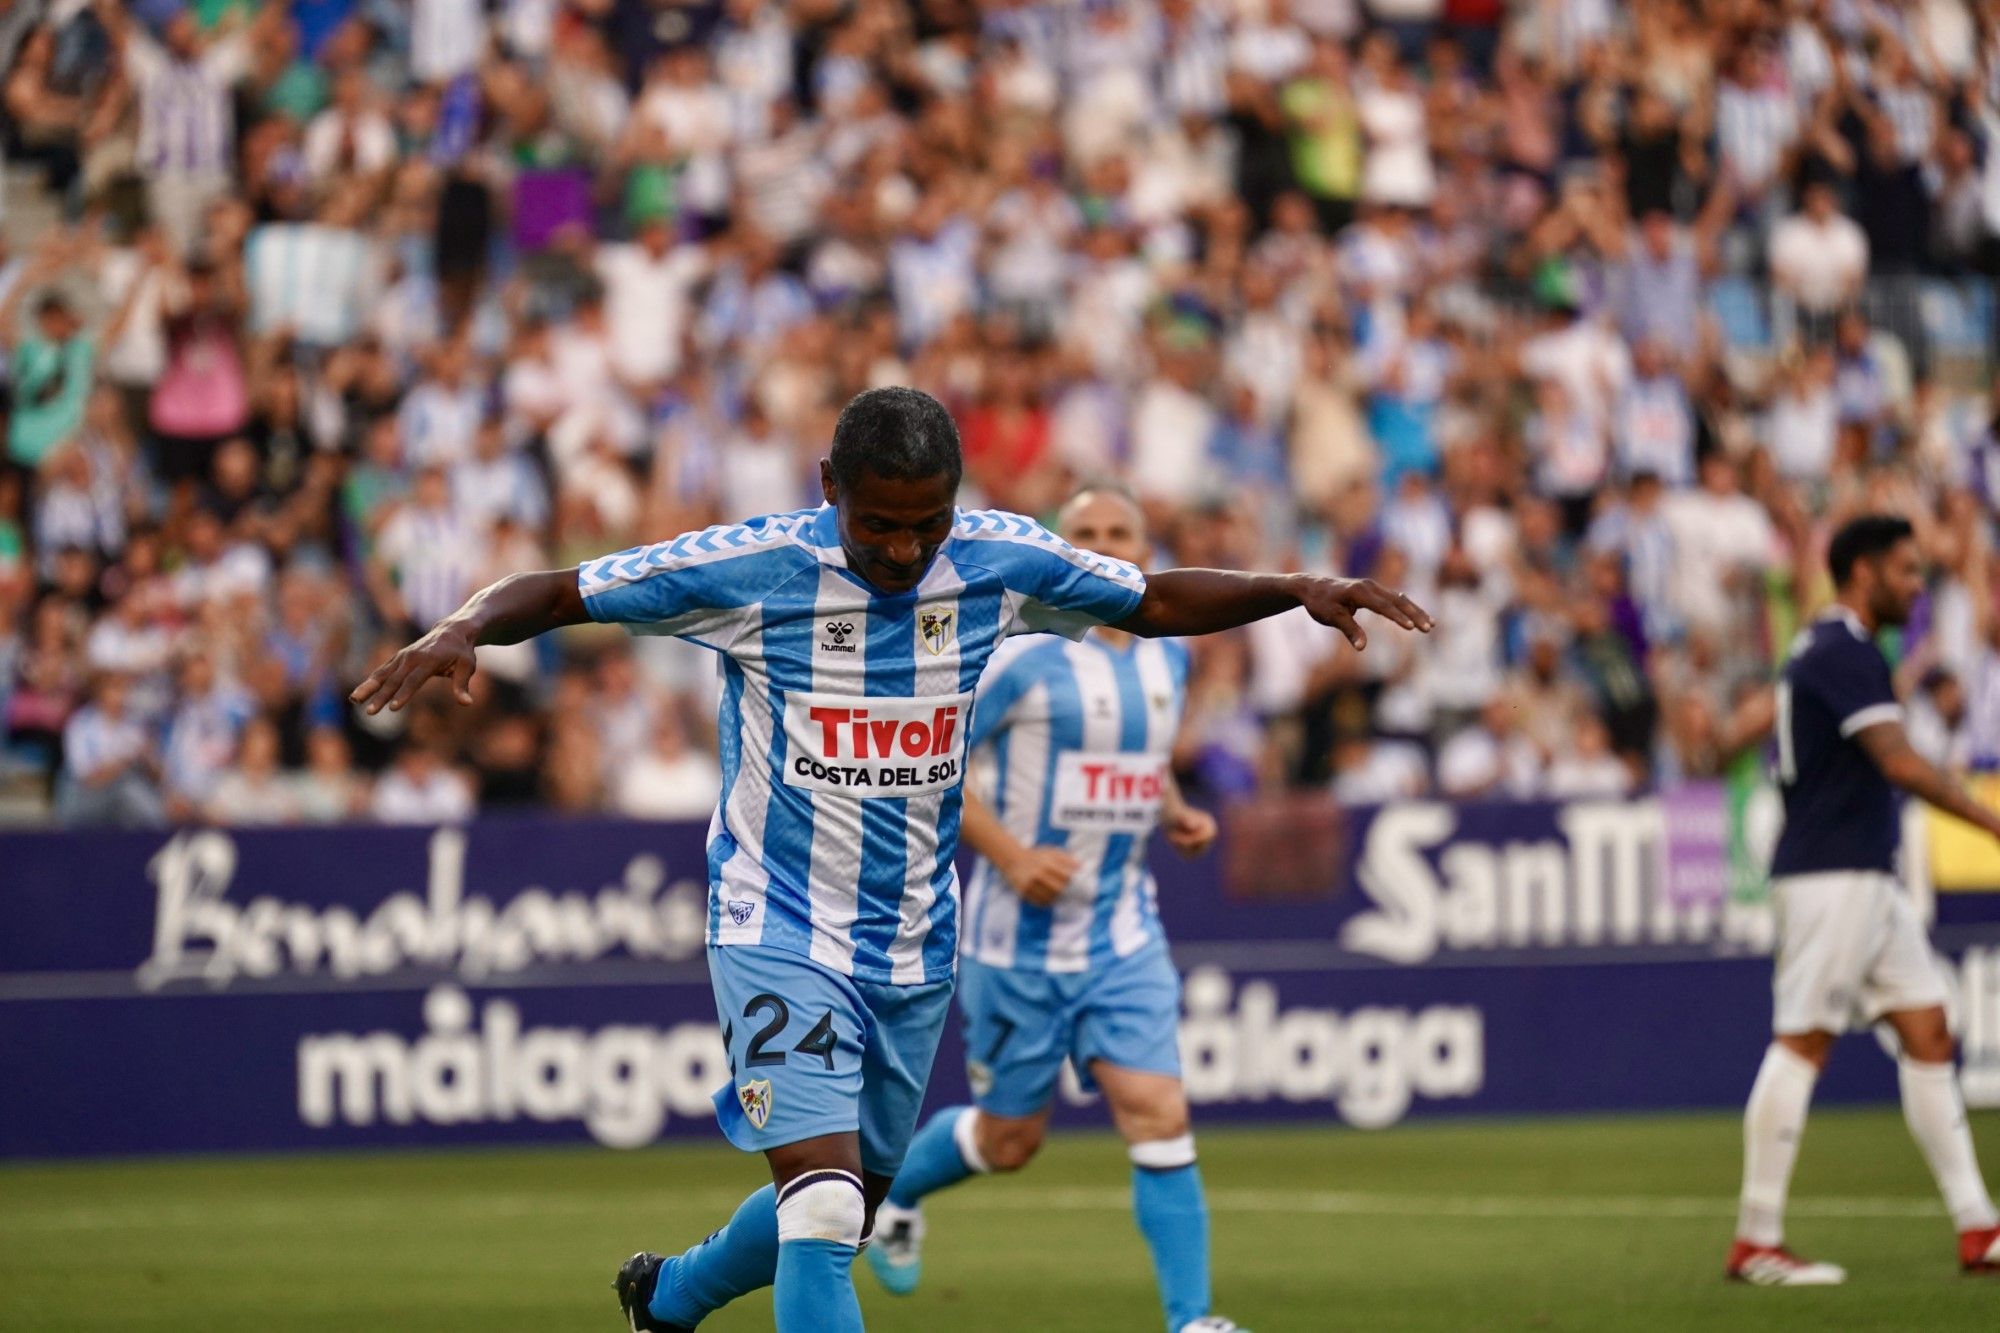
1584, 322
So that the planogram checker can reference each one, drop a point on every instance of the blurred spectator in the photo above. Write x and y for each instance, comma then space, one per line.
1489, 758
1937, 720
419, 788
253, 790
109, 768
1819, 257
669, 779
1585, 768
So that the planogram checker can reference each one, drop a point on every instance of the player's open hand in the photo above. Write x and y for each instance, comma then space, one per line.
1040, 874
445, 651
1337, 602
1189, 831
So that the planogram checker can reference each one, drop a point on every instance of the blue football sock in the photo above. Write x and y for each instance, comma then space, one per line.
935, 1159
738, 1259
815, 1292
1173, 1217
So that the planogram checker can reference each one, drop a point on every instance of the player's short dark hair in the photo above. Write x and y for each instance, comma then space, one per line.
1864, 538
895, 432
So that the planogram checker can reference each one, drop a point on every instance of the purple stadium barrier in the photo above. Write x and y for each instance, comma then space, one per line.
541, 980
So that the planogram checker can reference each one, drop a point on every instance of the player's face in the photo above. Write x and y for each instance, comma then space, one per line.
1899, 580
891, 530
1107, 523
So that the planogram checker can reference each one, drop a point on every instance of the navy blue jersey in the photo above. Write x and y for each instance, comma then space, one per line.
1840, 812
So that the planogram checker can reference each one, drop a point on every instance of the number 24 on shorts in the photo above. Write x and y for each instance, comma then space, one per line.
819, 1041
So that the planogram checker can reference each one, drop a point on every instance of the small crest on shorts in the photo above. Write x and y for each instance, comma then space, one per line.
935, 628
756, 1098
740, 911
980, 1076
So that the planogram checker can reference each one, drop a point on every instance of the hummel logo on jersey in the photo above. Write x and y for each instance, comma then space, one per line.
935, 627
739, 911
837, 634
756, 1098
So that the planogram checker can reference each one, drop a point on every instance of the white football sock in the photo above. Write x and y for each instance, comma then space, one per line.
1773, 1123
1936, 1114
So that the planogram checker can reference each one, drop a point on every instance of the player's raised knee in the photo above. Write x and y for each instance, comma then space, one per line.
822, 1205
1010, 1147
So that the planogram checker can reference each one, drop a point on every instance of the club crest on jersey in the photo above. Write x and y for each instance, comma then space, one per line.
935, 629
838, 632
740, 911
756, 1098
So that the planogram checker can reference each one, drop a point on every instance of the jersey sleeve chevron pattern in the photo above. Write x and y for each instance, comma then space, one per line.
699, 585
1051, 586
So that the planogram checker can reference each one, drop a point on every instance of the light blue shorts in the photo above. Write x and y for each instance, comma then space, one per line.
813, 1052
1020, 1025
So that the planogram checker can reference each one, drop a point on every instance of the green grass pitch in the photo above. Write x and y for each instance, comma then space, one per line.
1571, 1224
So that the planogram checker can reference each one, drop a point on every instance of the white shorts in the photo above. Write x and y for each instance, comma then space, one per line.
1850, 949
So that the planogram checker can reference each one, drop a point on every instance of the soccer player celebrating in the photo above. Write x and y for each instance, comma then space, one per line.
1849, 946
850, 637
1064, 956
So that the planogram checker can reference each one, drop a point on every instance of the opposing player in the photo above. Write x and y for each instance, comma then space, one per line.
1065, 957
851, 637
1850, 948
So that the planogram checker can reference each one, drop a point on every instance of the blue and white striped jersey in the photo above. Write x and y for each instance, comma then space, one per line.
1080, 736
845, 715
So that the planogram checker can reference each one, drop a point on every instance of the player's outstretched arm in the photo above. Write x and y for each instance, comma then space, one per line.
1204, 601
1886, 744
518, 607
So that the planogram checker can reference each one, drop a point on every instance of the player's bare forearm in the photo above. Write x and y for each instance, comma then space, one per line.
518, 607
1890, 749
1038, 874
983, 832
521, 606
1205, 601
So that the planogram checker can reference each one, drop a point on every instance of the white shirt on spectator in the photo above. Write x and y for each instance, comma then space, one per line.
444, 797
447, 38
1284, 650
1820, 264
1801, 430
1715, 536
1588, 360
1393, 771
1269, 52
647, 304
139, 356
1475, 762
1170, 432
652, 787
